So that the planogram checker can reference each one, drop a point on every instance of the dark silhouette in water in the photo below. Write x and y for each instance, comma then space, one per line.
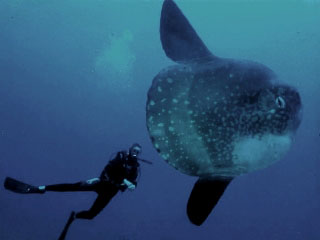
119, 174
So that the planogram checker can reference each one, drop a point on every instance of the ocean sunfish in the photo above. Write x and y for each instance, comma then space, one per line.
214, 117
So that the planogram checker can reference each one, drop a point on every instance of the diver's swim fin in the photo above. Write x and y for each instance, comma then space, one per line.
17, 186
66, 227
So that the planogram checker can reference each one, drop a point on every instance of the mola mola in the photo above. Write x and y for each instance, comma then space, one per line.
213, 117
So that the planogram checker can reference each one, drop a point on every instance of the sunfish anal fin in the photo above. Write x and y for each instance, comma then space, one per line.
205, 195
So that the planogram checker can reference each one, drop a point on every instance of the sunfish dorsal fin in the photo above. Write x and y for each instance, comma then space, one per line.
179, 40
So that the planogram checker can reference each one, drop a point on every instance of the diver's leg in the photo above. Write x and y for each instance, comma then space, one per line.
89, 185
102, 200
17, 186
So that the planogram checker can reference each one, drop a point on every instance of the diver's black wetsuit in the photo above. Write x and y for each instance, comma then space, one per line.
123, 166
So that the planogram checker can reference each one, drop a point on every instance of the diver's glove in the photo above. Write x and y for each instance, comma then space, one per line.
129, 184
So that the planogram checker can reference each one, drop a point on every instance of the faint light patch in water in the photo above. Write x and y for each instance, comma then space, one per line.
14, 3
312, 1
115, 61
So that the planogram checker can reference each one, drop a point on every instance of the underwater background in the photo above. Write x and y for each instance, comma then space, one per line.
74, 77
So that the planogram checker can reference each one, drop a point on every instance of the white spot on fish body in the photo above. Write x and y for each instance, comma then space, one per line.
169, 80
157, 132
272, 111
166, 157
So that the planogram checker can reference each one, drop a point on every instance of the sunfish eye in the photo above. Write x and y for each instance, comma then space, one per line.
280, 102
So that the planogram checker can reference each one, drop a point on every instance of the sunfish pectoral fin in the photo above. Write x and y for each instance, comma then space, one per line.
179, 40
204, 196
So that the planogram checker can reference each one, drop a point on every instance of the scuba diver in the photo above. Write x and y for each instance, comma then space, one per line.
119, 174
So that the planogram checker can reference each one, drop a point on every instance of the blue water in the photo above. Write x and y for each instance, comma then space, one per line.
74, 77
